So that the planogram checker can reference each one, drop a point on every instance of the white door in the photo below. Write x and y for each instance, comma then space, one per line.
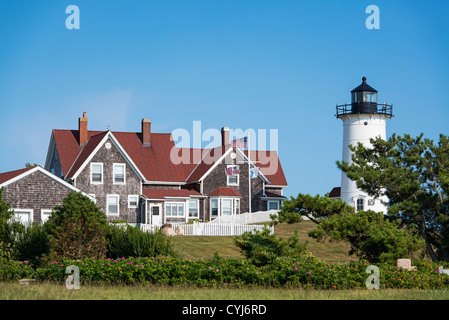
156, 214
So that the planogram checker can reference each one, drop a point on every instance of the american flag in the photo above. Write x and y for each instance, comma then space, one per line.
240, 143
231, 171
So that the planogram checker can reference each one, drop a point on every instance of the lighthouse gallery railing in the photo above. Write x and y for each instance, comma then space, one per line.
386, 109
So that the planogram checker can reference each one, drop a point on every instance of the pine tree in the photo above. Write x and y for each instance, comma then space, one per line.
414, 174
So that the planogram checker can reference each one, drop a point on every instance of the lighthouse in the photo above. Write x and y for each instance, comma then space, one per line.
363, 119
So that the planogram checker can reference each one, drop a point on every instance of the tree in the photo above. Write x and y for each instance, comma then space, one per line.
8, 226
29, 165
413, 173
371, 235
77, 229
314, 208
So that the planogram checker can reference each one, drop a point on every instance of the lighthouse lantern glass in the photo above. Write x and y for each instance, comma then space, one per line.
369, 96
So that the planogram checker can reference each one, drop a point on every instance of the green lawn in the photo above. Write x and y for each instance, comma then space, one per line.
46, 291
197, 247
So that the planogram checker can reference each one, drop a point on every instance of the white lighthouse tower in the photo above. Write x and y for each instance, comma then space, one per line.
363, 119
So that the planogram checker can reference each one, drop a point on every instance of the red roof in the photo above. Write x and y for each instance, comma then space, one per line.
335, 192
88, 148
6, 176
169, 193
210, 157
273, 195
225, 191
155, 162
270, 166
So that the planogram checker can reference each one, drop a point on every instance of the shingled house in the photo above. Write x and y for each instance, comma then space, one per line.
33, 192
133, 177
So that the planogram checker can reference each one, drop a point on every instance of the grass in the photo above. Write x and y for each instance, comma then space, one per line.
197, 247
47, 291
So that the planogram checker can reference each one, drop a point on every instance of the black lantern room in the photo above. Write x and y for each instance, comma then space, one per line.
364, 101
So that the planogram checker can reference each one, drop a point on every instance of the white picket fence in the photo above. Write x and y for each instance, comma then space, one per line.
247, 218
210, 229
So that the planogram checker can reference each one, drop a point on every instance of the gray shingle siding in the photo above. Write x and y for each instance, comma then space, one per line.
132, 184
36, 191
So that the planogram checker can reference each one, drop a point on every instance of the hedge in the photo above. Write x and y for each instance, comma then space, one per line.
305, 272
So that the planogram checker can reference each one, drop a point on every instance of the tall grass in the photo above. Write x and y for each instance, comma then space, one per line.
129, 241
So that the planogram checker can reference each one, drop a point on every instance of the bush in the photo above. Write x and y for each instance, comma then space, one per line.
77, 229
305, 272
262, 248
32, 244
8, 226
129, 241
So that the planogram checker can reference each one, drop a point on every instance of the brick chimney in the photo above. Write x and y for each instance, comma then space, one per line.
146, 132
82, 129
224, 136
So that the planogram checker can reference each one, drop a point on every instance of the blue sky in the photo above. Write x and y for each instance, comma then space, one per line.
248, 64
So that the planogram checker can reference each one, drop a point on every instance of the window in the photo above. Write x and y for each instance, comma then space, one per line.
174, 209
214, 208
119, 173
96, 173
273, 205
233, 180
45, 214
226, 206
112, 204
359, 204
24, 216
133, 201
237, 206
193, 208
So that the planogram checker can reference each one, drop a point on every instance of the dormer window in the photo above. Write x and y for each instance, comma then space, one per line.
96, 173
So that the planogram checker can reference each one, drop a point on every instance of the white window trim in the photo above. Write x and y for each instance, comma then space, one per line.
124, 173
45, 211
197, 209
273, 201
218, 207
118, 205
91, 173
235, 206
129, 201
177, 204
237, 175
30, 211
232, 206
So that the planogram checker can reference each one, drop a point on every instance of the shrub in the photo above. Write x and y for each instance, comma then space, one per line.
262, 248
305, 272
32, 244
8, 226
129, 241
77, 228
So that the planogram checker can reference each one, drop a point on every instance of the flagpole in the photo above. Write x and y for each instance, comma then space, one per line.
249, 177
